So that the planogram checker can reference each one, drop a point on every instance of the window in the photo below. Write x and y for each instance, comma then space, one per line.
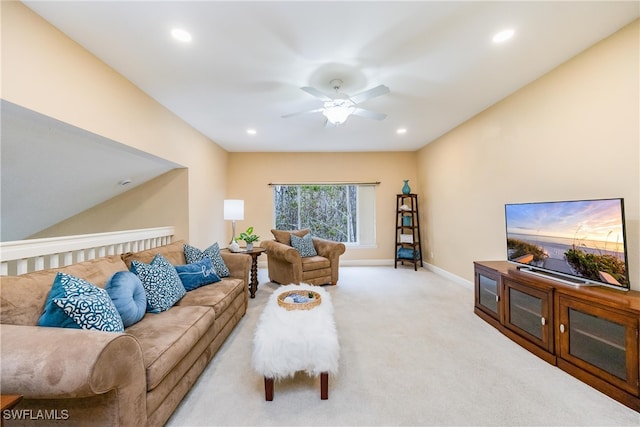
338, 212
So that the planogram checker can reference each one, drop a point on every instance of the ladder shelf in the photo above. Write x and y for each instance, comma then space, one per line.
408, 246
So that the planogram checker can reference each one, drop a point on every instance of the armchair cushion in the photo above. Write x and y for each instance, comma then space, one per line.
304, 245
315, 263
284, 236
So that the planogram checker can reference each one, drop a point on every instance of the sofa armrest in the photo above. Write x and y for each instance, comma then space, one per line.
59, 363
239, 265
328, 248
281, 251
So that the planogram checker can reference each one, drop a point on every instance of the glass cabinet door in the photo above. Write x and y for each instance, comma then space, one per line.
600, 341
488, 293
528, 312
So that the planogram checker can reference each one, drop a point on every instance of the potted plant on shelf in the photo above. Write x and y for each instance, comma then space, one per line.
248, 237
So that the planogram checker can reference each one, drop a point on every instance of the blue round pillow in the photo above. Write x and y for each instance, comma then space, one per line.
127, 293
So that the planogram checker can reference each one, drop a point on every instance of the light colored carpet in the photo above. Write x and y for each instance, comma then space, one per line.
412, 353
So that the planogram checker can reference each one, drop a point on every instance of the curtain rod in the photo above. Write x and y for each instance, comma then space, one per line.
326, 183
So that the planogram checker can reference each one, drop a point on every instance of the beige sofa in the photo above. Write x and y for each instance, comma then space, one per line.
135, 378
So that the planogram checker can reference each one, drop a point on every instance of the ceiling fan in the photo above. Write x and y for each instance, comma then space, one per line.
337, 107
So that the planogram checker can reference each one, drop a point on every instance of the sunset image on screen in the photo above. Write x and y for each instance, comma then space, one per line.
581, 238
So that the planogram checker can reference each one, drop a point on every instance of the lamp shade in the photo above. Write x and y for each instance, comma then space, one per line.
234, 209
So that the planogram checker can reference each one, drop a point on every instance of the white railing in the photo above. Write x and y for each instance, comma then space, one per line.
24, 256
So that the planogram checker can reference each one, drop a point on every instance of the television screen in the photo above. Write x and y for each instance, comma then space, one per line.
580, 242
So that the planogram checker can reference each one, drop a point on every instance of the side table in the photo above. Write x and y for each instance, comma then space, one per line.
254, 254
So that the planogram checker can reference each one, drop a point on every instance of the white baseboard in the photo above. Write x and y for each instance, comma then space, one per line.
366, 262
352, 263
447, 275
389, 262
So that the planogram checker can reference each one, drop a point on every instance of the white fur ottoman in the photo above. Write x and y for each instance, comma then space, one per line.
287, 341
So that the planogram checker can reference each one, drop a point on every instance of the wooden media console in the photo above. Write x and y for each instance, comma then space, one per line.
589, 332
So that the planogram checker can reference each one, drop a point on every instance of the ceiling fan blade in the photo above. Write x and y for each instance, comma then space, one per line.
371, 93
315, 92
299, 113
369, 114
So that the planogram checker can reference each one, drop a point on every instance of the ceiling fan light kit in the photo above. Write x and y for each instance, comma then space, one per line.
338, 111
338, 107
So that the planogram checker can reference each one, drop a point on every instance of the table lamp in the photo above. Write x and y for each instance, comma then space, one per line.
233, 210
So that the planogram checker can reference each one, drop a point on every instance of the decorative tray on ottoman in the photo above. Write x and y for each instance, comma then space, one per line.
299, 300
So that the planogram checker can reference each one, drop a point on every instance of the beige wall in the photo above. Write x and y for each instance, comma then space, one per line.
47, 72
572, 134
249, 175
144, 206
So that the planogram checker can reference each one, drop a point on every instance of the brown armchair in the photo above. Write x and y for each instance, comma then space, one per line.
286, 266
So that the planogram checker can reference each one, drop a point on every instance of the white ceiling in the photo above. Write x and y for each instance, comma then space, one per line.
246, 64
247, 60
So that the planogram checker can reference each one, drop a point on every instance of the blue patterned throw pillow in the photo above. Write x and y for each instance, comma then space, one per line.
76, 303
161, 283
197, 274
193, 254
304, 245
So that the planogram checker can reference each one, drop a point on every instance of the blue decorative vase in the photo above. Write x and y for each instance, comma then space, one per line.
405, 188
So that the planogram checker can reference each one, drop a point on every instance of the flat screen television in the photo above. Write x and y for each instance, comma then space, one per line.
578, 242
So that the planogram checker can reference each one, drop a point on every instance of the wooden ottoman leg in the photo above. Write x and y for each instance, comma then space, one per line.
268, 389
324, 385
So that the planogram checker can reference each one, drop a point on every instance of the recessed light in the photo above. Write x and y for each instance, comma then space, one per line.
181, 35
125, 181
401, 131
503, 35
251, 131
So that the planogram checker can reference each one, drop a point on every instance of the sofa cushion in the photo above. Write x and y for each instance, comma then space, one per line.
218, 295
284, 236
22, 298
166, 338
193, 254
173, 252
127, 293
76, 303
304, 245
161, 283
197, 274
